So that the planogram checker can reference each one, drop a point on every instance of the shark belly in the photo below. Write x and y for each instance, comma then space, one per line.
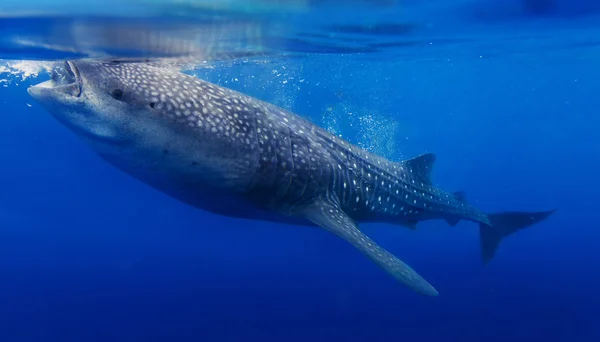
168, 163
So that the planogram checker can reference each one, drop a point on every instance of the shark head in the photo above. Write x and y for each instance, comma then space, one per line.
93, 100
133, 112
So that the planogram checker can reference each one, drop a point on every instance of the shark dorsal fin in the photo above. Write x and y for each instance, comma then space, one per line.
421, 166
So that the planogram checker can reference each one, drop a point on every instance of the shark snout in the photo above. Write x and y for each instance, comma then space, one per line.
42, 92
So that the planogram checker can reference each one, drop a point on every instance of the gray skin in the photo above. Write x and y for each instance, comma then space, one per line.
234, 155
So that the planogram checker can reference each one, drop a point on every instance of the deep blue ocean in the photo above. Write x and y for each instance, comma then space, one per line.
506, 94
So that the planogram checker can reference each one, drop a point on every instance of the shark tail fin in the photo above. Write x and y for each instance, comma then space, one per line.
503, 225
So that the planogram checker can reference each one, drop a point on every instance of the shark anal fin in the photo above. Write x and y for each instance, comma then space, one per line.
412, 225
460, 196
326, 213
453, 221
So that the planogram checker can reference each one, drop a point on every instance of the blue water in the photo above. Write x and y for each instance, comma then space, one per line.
88, 253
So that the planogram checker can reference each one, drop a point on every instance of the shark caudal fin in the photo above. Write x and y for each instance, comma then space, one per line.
503, 225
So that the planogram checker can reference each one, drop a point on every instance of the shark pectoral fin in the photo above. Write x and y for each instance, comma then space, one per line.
327, 214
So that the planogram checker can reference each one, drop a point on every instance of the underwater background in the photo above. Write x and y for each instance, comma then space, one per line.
505, 93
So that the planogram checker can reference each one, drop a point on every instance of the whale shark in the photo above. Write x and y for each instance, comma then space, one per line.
234, 155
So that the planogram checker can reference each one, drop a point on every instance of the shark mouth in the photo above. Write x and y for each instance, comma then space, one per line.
64, 77
66, 73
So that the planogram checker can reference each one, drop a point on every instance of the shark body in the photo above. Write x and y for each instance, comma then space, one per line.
228, 153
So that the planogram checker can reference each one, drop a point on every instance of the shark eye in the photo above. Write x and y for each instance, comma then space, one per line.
117, 94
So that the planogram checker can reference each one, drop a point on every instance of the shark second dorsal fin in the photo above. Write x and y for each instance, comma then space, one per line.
421, 166
460, 196
326, 213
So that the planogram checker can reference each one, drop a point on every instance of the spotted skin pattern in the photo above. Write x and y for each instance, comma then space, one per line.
234, 155
294, 160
